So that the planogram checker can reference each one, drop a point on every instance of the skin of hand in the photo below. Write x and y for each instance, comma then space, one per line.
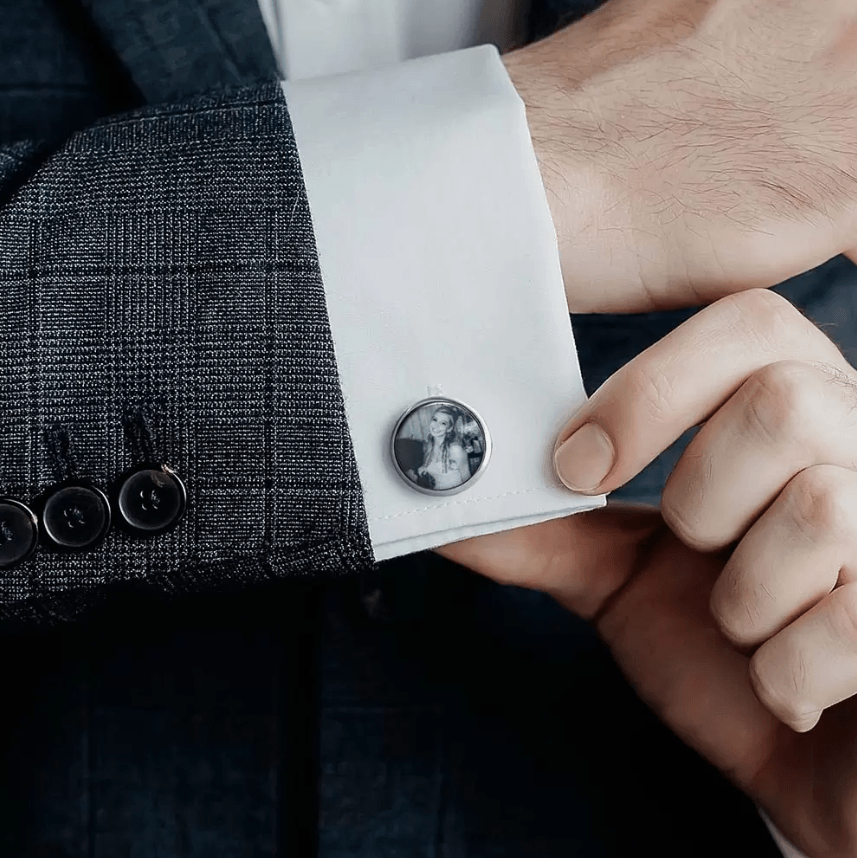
733, 609
694, 148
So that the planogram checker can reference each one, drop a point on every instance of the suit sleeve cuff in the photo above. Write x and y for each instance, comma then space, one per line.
442, 277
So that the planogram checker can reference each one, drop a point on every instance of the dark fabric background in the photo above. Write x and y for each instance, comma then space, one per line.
453, 719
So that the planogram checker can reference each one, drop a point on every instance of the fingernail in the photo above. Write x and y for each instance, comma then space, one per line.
584, 460
804, 725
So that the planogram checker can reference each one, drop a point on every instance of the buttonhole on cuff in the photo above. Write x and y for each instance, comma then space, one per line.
63, 463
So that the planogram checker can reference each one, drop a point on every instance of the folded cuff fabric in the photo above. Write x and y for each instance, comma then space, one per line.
442, 277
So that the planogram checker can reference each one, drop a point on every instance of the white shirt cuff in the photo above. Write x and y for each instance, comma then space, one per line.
788, 850
442, 276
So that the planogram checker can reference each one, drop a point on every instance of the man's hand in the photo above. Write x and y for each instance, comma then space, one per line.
694, 148
739, 649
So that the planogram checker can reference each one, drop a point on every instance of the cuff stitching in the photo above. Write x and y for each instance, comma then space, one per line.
480, 499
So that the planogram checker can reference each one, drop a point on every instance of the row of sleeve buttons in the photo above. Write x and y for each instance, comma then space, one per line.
75, 516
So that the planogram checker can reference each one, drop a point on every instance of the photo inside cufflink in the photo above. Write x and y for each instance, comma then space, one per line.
440, 446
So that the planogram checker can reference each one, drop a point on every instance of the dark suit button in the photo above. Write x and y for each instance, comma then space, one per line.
19, 532
151, 500
75, 516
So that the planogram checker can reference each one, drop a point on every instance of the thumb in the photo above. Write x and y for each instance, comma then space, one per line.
680, 382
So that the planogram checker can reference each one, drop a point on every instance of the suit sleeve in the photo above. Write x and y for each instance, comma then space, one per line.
160, 278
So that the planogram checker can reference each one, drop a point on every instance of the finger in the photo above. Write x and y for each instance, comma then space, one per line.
786, 417
679, 382
796, 554
663, 637
812, 664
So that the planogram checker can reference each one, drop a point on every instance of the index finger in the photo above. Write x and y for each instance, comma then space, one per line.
679, 382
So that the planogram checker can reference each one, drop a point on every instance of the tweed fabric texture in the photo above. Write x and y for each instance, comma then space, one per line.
163, 262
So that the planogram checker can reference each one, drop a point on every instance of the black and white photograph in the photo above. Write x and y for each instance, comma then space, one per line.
440, 445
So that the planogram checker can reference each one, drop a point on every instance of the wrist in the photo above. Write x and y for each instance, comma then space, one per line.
590, 180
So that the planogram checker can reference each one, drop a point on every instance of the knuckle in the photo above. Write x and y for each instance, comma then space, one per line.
842, 386
739, 605
768, 323
783, 692
779, 400
684, 521
735, 625
722, 610
766, 316
842, 616
819, 502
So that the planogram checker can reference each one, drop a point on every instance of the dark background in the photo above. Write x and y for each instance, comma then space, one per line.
422, 714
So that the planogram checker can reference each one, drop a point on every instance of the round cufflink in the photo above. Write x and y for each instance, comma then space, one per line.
19, 532
75, 516
150, 500
440, 446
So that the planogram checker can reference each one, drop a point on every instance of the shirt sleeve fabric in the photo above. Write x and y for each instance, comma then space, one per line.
442, 277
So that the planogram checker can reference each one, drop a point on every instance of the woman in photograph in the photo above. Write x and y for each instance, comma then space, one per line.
445, 461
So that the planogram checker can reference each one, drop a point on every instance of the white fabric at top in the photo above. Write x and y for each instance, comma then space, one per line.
320, 37
442, 275
788, 850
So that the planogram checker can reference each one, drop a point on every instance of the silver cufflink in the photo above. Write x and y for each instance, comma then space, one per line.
440, 446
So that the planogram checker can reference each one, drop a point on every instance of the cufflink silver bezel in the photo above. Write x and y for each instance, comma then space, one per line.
466, 410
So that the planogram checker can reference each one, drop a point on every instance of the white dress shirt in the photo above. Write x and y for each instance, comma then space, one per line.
436, 247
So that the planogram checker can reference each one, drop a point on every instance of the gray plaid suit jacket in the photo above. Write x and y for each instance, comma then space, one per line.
159, 266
